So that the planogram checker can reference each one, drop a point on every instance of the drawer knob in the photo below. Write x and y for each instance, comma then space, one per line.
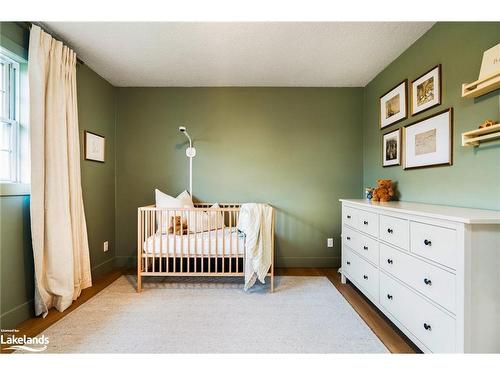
389, 261
365, 277
389, 230
427, 327
427, 242
348, 216
365, 247
348, 263
365, 222
427, 281
349, 238
389, 296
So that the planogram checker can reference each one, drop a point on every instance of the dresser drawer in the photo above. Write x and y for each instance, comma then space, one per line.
394, 231
434, 328
433, 282
362, 272
349, 216
435, 243
361, 244
367, 222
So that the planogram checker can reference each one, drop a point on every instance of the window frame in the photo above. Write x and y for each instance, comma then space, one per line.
12, 102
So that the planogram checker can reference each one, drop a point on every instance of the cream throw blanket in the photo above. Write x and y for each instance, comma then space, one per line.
255, 221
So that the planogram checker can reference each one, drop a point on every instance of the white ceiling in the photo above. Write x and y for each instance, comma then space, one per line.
334, 54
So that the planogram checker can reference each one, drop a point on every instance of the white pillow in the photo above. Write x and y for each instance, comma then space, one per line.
205, 220
186, 199
163, 200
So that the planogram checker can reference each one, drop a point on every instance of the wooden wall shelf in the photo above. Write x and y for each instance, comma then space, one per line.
481, 87
475, 137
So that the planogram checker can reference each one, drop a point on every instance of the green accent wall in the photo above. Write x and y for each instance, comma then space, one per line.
16, 261
297, 148
96, 112
474, 178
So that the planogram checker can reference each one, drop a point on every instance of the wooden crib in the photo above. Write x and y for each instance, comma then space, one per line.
209, 246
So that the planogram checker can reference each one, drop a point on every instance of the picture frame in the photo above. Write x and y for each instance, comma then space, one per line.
391, 148
94, 147
426, 90
393, 106
429, 142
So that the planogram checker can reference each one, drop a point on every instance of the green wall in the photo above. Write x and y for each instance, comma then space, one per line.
96, 112
474, 178
297, 148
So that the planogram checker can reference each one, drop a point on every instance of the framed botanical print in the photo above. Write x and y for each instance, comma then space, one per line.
391, 148
426, 91
393, 105
94, 146
429, 142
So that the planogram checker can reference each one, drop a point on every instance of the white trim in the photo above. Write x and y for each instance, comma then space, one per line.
9, 189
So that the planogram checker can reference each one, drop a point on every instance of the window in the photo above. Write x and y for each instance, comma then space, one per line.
10, 158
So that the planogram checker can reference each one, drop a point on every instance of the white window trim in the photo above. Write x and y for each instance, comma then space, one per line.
17, 187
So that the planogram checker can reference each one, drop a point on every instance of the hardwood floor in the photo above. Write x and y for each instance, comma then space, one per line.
387, 332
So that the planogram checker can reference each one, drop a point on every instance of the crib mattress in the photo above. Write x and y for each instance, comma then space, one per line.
214, 242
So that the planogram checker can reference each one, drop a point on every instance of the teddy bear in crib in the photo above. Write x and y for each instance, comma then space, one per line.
178, 225
384, 191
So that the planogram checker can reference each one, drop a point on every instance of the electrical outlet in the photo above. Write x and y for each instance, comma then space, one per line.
106, 246
329, 242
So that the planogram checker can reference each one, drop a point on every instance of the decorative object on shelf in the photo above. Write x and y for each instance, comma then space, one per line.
94, 146
489, 75
475, 137
369, 193
487, 123
428, 142
384, 191
393, 105
426, 91
391, 148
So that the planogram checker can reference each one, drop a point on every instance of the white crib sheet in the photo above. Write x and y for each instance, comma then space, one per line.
205, 243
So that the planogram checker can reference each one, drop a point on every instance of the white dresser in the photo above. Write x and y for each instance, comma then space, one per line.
433, 270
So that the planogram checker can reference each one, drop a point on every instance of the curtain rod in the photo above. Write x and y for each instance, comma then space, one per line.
27, 26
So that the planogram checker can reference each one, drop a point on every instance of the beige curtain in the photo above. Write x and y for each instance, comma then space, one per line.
58, 228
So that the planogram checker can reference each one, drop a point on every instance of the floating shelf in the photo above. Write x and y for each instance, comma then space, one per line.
474, 137
481, 86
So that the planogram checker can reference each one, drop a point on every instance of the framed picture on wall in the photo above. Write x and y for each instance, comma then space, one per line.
429, 142
393, 105
94, 147
391, 148
426, 91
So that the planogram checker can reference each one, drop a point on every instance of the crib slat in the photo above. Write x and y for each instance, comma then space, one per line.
230, 241
167, 225
237, 245
145, 233
159, 231
209, 244
182, 243
153, 216
188, 241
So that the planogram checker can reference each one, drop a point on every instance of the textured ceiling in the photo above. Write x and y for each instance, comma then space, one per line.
334, 54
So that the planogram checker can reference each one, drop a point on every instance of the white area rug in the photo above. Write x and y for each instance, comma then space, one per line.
303, 315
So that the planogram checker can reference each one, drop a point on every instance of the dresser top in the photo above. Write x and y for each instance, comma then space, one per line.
458, 214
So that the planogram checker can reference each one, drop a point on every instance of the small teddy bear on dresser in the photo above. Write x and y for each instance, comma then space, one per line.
384, 191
